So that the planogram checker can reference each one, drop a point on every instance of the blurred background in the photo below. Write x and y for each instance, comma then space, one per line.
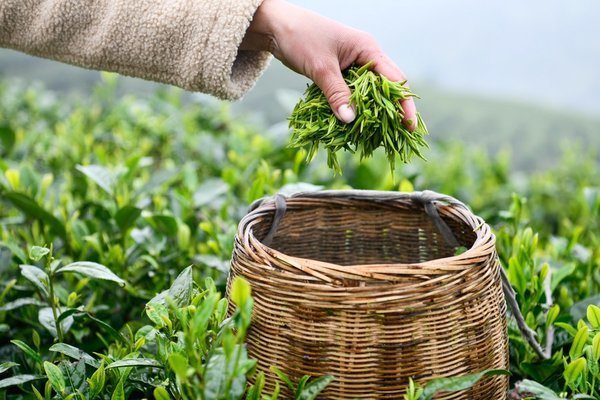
499, 75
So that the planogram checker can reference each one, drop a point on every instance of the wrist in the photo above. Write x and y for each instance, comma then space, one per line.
260, 35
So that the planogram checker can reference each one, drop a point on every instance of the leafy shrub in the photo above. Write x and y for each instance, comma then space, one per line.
106, 202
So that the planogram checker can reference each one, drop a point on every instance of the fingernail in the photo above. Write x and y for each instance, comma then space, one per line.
409, 123
346, 113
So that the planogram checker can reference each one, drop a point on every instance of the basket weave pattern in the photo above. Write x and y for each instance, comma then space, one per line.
364, 286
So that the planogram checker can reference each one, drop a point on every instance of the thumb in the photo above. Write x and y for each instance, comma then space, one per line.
337, 93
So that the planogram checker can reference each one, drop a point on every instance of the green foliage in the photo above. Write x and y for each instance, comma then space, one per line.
378, 122
117, 218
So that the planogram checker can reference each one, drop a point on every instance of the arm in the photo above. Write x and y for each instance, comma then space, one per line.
191, 44
320, 49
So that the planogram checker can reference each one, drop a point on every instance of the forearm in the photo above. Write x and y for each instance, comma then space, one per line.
190, 44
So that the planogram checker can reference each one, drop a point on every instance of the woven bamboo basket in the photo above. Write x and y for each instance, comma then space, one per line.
366, 286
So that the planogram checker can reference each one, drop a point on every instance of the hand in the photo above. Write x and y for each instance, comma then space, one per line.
320, 49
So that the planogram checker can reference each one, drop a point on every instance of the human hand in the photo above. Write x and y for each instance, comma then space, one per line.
321, 49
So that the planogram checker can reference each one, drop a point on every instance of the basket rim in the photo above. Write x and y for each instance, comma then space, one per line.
479, 251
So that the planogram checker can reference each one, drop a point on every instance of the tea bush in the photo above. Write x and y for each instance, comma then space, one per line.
117, 218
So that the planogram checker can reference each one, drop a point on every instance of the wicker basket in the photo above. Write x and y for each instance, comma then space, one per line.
366, 286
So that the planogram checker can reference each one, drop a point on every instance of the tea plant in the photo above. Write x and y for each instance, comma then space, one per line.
105, 202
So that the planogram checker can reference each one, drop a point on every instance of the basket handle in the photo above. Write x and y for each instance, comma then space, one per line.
509, 293
427, 199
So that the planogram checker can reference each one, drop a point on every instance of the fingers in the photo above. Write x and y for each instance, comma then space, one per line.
336, 91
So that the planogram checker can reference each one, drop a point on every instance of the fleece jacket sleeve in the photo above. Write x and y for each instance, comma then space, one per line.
192, 44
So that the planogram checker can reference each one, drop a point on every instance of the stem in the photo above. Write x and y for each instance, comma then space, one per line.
59, 333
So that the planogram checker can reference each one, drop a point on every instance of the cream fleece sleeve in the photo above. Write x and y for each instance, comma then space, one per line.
188, 43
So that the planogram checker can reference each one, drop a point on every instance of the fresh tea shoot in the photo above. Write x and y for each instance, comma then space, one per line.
378, 122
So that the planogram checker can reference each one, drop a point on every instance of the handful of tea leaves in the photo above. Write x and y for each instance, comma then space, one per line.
378, 121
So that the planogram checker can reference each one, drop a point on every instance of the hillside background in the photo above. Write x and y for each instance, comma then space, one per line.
520, 76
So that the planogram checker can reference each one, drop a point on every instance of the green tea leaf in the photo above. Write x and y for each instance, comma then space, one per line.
34, 355
93, 270
179, 365
314, 388
18, 380
36, 253
596, 347
23, 301
593, 315
75, 353
552, 315
46, 318
5, 366
102, 176
284, 378
540, 391
240, 291
180, 291
574, 370
55, 376
579, 342
157, 313
570, 329
126, 217
37, 276
119, 393
160, 393
96, 382
135, 362
33, 210
458, 383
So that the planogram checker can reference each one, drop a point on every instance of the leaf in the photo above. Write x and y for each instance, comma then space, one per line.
15, 250
102, 176
7, 138
34, 355
240, 291
135, 362
454, 384
75, 353
284, 378
55, 376
165, 224
75, 373
119, 393
160, 393
18, 380
158, 314
5, 366
552, 315
27, 205
579, 342
46, 318
571, 330
93, 270
179, 365
23, 301
112, 331
540, 391
96, 382
36, 253
593, 315
596, 346
37, 276
312, 390
219, 370
574, 370
180, 291
126, 217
